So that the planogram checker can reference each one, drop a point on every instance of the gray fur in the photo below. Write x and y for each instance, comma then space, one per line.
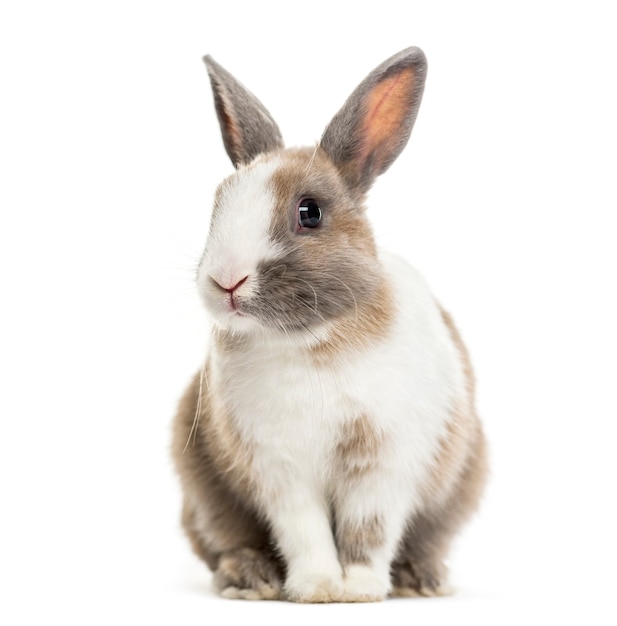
246, 125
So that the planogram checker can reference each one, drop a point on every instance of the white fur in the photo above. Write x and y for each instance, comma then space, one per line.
238, 240
363, 584
291, 410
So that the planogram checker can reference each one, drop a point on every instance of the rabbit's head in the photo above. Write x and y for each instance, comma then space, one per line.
290, 248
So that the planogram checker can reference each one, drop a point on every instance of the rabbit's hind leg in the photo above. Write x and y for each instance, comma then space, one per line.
419, 569
246, 567
249, 574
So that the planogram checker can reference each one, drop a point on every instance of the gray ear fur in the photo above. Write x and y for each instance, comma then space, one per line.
370, 131
246, 125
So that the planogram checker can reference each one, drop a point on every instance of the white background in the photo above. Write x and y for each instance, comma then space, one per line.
505, 199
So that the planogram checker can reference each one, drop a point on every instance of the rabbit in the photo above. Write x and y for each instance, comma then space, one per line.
329, 449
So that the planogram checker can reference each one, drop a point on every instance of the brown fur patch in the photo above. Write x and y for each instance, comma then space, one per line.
359, 447
461, 431
308, 172
450, 459
368, 325
462, 350
356, 541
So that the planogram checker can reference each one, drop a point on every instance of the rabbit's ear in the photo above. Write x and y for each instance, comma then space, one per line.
248, 129
370, 131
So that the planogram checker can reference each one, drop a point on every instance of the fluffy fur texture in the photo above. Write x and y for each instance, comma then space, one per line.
329, 450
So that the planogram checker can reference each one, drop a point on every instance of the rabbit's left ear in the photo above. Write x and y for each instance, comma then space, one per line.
247, 127
370, 131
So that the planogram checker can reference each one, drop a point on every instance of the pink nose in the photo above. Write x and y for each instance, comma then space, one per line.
233, 287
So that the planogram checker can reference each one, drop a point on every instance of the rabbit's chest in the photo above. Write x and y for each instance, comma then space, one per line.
272, 401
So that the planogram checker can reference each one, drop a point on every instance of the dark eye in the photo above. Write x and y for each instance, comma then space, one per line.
309, 213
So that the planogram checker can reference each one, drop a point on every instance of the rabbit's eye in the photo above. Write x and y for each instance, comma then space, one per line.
309, 213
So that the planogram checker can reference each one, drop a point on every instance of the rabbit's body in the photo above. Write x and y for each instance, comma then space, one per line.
329, 449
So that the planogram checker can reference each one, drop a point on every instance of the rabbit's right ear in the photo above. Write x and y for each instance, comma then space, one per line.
246, 125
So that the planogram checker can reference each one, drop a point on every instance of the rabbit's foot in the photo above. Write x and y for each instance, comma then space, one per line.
415, 579
315, 588
362, 584
248, 574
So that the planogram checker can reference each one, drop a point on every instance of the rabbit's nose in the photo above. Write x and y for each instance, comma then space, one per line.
232, 284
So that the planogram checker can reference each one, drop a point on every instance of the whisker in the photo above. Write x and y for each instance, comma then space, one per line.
310, 332
313, 290
353, 297
309, 166
193, 431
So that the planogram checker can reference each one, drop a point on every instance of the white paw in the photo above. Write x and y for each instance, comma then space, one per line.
362, 584
314, 588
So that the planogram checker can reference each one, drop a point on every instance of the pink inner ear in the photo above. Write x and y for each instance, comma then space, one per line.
231, 128
387, 106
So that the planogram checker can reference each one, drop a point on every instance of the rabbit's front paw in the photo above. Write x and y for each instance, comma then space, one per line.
362, 584
314, 587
